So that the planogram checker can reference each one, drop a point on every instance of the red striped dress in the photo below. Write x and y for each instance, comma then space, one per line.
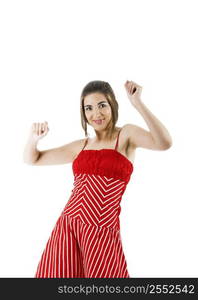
85, 241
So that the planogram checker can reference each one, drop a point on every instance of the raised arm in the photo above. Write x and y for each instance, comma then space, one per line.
59, 155
158, 138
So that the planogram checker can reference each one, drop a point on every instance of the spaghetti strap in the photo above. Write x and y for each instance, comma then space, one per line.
116, 146
86, 140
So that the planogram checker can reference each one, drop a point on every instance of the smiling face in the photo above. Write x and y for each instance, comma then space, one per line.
97, 110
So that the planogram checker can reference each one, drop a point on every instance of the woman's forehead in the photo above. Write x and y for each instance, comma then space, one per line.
94, 98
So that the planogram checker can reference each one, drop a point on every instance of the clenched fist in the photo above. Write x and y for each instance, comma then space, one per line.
39, 130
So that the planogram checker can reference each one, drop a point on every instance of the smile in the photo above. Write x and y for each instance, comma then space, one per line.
98, 121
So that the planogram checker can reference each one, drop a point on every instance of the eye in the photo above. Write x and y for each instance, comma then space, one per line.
103, 104
100, 105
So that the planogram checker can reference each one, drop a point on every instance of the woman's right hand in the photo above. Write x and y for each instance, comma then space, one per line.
38, 131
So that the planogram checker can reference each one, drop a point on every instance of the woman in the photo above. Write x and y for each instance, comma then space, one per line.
86, 241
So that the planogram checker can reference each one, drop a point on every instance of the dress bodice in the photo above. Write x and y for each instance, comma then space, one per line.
104, 162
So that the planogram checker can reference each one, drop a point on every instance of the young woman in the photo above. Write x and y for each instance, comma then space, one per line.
86, 241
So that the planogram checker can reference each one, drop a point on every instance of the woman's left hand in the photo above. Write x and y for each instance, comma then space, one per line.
133, 92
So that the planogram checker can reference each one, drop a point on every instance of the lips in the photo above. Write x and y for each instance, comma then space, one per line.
98, 121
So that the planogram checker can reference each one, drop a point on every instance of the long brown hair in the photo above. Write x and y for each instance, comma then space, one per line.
104, 88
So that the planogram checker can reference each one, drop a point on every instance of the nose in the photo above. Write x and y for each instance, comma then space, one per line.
96, 114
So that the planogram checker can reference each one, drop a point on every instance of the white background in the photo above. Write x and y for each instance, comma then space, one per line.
49, 51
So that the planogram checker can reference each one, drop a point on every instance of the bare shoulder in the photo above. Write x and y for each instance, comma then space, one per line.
140, 137
125, 135
78, 145
137, 136
127, 131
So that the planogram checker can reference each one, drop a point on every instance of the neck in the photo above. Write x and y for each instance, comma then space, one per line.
105, 135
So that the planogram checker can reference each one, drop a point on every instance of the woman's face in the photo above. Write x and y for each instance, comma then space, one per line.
97, 110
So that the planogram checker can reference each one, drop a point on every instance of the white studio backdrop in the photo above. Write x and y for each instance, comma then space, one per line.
49, 51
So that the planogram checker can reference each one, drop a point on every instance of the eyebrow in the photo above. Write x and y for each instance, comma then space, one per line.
98, 103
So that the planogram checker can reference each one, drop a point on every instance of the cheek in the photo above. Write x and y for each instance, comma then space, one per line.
108, 111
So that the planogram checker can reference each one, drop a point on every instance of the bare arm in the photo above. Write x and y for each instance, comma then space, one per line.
139, 137
158, 138
30, 154
59, 155
55, 156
